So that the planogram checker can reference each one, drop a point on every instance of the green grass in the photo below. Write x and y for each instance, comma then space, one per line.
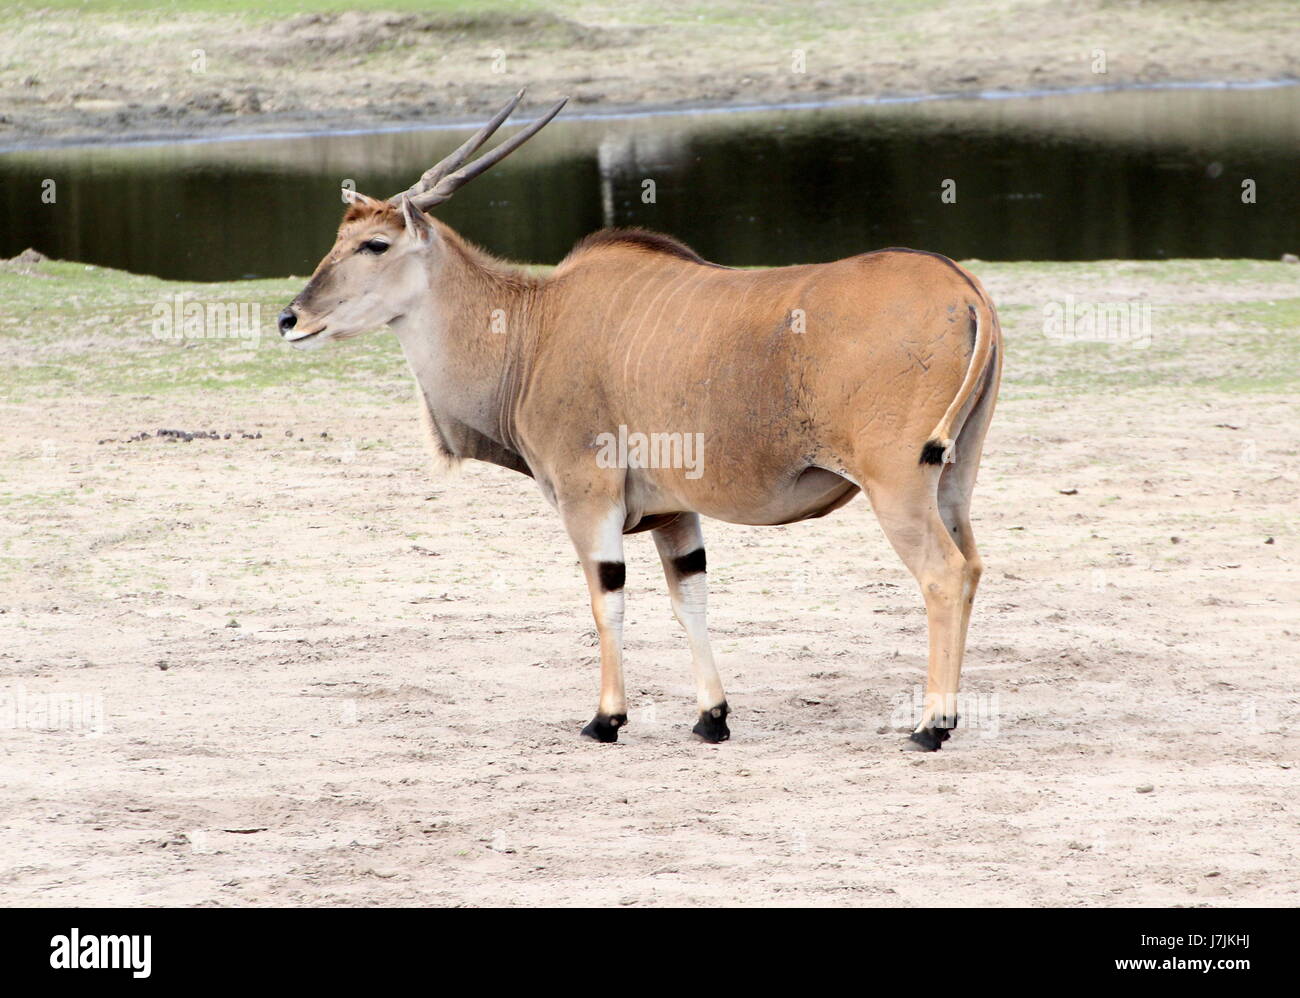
71, 329
278, 8
1232, 346
1229, 345
74, 329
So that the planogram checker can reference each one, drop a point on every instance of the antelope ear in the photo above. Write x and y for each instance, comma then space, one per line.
356, 197
418, 226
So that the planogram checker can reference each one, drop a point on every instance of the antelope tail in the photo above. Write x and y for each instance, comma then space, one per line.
939, 448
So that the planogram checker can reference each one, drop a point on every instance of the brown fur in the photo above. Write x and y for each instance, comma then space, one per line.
382, 212
878, 387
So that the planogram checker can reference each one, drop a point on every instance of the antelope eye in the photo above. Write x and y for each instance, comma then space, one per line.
375, 246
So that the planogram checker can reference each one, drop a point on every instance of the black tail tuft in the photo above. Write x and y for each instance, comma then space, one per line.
932, 452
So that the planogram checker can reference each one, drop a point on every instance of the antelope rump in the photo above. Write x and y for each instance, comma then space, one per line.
801, 386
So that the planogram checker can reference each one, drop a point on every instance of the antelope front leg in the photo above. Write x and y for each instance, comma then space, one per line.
597, 533
681, 548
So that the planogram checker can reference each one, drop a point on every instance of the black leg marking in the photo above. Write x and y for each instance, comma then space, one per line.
712, 725
689, 564
612, 575
604, 727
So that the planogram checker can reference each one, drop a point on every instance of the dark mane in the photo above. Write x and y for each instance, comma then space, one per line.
651, 242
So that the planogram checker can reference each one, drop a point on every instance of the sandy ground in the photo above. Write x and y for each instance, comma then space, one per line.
95, 76
312, 674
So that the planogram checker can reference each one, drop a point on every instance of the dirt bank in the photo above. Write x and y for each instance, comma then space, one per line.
196, 72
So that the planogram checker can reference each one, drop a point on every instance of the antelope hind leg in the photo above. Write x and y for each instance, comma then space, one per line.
911, 520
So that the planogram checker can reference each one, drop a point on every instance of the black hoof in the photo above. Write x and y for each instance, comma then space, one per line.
712, 725
931, 739
927, 739
604, 727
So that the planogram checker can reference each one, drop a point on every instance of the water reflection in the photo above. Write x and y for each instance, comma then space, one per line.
1136, 175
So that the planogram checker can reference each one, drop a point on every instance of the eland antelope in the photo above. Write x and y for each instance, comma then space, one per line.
800, 387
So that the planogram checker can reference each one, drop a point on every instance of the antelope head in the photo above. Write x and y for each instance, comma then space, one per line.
386, 254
